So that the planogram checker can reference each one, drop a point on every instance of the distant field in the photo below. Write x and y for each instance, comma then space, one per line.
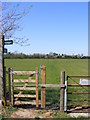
53, 67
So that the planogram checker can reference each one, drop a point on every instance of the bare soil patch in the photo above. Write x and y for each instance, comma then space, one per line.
31, 113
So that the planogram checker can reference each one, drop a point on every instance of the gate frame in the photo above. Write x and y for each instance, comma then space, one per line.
44, 85
77, 85
11, 88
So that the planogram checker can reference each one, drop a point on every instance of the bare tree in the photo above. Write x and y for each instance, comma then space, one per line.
11, 15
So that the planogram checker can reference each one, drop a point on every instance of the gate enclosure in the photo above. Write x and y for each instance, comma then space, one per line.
25, 86
14, 99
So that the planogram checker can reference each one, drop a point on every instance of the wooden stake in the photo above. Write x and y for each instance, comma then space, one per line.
43, 81
4, 81
10, 86
37, 102
62, 92
1, 71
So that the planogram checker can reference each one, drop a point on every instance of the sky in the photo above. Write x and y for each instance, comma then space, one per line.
60, 27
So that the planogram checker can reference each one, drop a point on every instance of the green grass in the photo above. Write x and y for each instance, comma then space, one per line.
53, 70
53, 67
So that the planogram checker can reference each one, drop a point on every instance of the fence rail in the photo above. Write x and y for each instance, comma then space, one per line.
27, 88
78, 76
52, 85
25, 95
24, 72
24, 80
74, 91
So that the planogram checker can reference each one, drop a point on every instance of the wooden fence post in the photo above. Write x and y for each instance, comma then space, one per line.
43, 81
62, 91
37, 101
2, 76
4, 79
10, 86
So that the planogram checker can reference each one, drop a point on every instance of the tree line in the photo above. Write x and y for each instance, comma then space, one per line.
44, 56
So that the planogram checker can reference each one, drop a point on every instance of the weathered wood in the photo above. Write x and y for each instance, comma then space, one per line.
42, 85
1, 71
62, 92
25, 89
52, 85
24, 72
4, 79
31, 85
43, 81
37, 102
21, 91
24, 80
2, 68
25, 95
32, 80
24, 102
10, 86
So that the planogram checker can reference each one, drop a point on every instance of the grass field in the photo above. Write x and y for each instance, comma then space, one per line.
53, 69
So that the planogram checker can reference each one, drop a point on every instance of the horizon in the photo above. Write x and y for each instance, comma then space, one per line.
15, 52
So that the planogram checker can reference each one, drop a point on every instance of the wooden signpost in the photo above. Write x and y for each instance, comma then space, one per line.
2, 66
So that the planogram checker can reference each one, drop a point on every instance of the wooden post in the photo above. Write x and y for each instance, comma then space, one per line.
37, 102
43, 81
4, 79
10, 86
2, 69
62, 92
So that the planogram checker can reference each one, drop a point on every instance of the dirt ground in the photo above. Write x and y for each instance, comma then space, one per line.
30, 113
